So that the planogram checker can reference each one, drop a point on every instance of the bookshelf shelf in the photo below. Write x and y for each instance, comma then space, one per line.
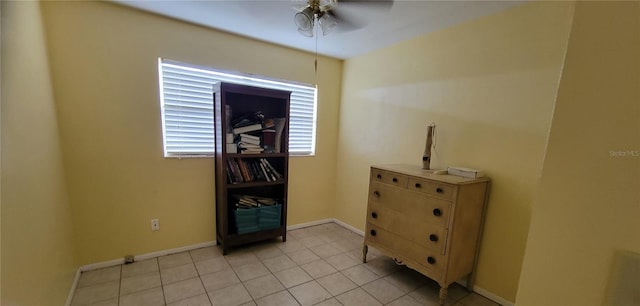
261, 155
253, 184
244, 182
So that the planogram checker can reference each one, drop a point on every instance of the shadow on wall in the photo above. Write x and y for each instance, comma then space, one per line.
624, 281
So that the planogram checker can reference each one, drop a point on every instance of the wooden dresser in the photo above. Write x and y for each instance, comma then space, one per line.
431, 223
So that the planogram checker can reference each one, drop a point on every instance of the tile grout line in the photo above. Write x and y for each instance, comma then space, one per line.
164, 297
200, 278
119, 287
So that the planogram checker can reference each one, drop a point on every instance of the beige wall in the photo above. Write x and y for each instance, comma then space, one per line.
588, 203
37, 241
490, 86
104, 68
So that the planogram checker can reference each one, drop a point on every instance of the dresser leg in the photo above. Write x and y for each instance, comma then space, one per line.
365, 249
443, 294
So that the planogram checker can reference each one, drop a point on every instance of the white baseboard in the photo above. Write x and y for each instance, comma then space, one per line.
498, 299
349, 227
115, 262
324, 221
72, 291
312, 223
176, 250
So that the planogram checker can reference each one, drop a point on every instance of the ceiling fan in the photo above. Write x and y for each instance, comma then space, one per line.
348, 15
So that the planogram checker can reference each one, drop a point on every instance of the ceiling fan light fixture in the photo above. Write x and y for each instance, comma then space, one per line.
327, 23
304, 19
307, 33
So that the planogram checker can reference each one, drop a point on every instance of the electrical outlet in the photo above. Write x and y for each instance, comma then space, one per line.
155, 224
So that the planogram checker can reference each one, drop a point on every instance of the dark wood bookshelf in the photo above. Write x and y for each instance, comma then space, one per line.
243, 100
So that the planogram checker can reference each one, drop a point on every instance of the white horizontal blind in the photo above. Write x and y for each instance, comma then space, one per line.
187, 109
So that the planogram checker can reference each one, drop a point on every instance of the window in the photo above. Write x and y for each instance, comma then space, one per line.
186, 101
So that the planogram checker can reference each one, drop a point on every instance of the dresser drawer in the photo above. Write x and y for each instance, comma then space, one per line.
409, 226
388, 177
430, 236
428, 259
387, 239
436, 189
419, 206
386, 218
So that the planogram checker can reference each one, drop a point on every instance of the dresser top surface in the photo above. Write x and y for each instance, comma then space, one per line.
419, 172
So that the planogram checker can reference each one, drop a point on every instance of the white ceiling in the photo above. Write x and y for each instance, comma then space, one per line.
272, 20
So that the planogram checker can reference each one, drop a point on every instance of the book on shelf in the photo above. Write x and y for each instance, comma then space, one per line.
247, 138
246, 176
248, 145
243, 201
234, 169
252, 151
249, 148
230, 138
266, 201
269, 140
232, 148
264, 173
247, 128
257, 173
248, 122
251, 170
230, 177
268, 165
272, 177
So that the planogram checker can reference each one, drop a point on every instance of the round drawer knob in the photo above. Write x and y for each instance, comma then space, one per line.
418, 185
433, 237
437, 212
374, 215
431, 260
439, 190
395, 180
376, 194
373, 232
379, 176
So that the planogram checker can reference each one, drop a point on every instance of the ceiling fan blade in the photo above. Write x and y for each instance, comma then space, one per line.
374, 4
355, 14
345, 22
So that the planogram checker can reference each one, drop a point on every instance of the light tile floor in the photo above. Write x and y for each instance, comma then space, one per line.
318, 265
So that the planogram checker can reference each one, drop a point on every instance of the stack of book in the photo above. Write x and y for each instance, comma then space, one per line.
252, 133
249, 144
251, 170
248, 201
248, 122
232, 147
